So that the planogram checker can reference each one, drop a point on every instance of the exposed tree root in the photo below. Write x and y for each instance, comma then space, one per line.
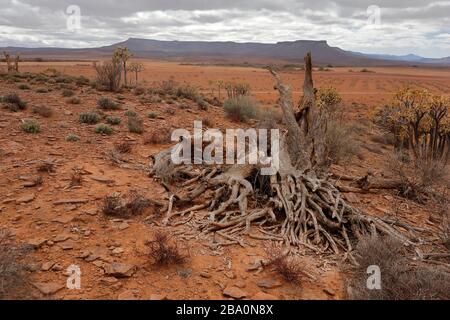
299, 205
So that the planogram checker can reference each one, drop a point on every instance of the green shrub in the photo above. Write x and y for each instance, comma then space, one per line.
135, 125
23, 86
89, 117
31, 126
13, 102
130, 113
72, 137
67, 93
114, 121
103, 129
81, 80
138, 91
41, 90
241, 108
152, 115
107, 104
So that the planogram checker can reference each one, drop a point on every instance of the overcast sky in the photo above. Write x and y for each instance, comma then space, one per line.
402, 26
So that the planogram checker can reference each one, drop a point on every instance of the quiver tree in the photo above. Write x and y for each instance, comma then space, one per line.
419, 121
122, 55
136, 67
10, 66
298, 205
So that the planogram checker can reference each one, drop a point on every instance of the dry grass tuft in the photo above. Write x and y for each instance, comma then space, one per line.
13, 279
400, 280
124, 207
284, 265
164, 251
123, 147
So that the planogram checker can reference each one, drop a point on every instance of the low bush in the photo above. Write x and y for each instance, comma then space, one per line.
89, 117
242, 108
30, 126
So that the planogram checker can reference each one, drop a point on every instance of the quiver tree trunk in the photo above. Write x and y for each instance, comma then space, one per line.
298, 205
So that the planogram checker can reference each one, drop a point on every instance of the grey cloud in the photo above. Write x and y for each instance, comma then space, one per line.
343, 23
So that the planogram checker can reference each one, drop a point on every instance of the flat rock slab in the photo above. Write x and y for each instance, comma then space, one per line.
119, 270
26, 199
269, 283
234, 292
264, 296
48, 288
70, 201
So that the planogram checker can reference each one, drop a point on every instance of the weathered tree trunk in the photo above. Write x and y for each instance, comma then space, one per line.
298, 205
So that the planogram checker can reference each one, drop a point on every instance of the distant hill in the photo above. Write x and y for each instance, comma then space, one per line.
281, 52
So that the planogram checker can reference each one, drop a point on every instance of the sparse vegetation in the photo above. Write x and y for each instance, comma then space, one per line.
67, 93
13, 102
163, 250
30, 126
23, 86
400, 279
114, 121
160, 136
123, 147
103, 129
107, 104
152, 115
13, 276
89, 117
43, 111
135, 125
240, 109
72, 137
284, 265
74, 100
127, 206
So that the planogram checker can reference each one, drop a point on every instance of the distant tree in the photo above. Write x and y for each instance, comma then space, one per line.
108, 75
136, 67
122, 54
11, 67
220, 84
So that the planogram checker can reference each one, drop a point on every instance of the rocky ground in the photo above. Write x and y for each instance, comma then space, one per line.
65, 226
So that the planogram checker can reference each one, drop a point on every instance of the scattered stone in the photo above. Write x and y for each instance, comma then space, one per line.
37, 243
8, 200
64, 219
157, 297
234, 293
123, 226
263, 296
268, 283
205, 275
57, 267
68, 245
102, 179
62, 237
120, 270
117, 251
329, 292
26, 199
127, 295
184, 273
70, 201
47, 266
254, 266
108, 281
48, 288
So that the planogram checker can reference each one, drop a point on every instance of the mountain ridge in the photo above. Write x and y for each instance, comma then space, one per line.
283, 51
